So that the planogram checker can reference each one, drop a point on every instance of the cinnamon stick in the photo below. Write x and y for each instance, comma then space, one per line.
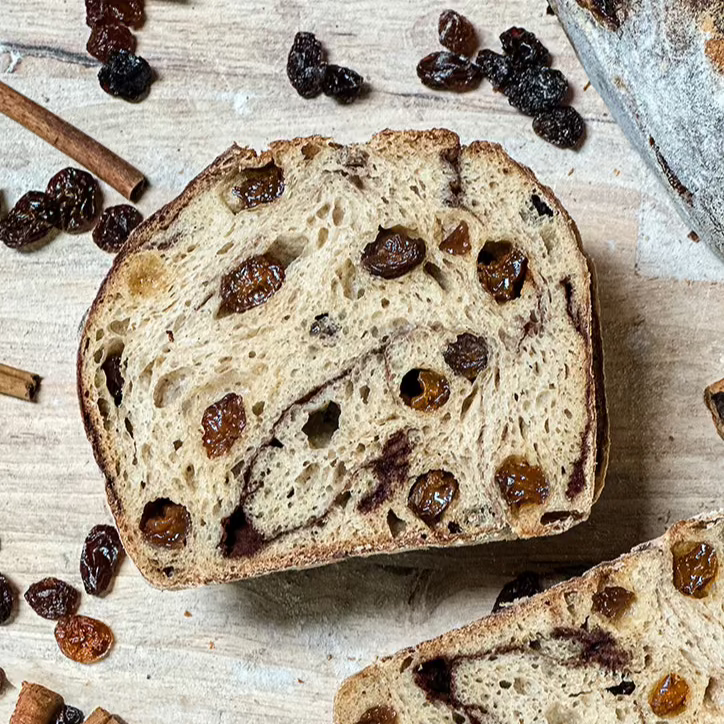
36, 705
19, 383
105, 164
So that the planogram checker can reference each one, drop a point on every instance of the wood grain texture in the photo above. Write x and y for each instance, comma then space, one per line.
275, 649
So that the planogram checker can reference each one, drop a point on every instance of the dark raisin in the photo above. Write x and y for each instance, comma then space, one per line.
128, 12
252, 283
563, 127
696, 567
82, 639
69, 715
115, 226
114, 377
502, 270
342, 84
222, 424
165, 524
541, 206
535, 90
306, 65
525, 585
457, 33
76, 194
496, 68
126, 76
379, 715
7, 599
260, 186
612, 601
109, 37
521, 483
31, 219
446, 71
393, 254
625, 688
435, 678
52, 598
102, 551
524, 48
424, 390
457, 242
431, 495
323, 327
467, 355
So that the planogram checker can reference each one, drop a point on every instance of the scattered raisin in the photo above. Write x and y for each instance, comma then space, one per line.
524, 48
524, 586
83, 639
7, 599
496, 68
109, 37
521, 483
536, 89
222, 423
457, 242
457, 33
669, 696
434, 677
165, 524
69, 715
306, 65
114, 377
128, 12
625, 688
260, 186
102, 551
563, 127
126, 76
75, 193
446, 71
251, 284
115, 226
31, 219
431, 495
467, 355
613, 601
502, 270
392, 254
342, 84
52, 598
695, 569
424, 390
379, 715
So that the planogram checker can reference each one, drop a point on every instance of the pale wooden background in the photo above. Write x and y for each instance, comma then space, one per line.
276, 649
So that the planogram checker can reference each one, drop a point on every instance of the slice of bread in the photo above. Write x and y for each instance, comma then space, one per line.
638, 640
324, 351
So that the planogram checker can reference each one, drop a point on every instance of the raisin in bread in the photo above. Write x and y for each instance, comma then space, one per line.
324, 351
637, 640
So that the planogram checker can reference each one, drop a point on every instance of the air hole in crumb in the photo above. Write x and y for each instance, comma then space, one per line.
458, 718
252, 354
337, 214
434, 272
275, 442
168, 571
257, 408
229, 245
467, 402
405, 663
321, 425
322, 236
504, 684
286, 249
364, 393
177, 444
342, 499
310, 150
169, 387
129, 427
396, 525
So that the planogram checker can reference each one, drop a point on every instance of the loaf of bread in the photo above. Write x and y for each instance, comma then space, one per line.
636, 641
324, 351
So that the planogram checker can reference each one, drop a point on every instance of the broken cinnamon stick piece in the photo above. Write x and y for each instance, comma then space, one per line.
101, 716
714, 398
36, 705
19, 383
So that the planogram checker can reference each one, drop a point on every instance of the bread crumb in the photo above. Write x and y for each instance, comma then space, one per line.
616, 172
587, 86
570, 173
212, 645
187, 614
300, 681
694, 237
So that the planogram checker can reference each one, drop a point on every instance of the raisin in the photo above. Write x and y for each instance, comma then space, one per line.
457, 242
625, 688
502, 270
306, 65
342, 84
52, 598
524, 586
424, 390
260, 186
457, 33
435, 678
252, 283
128, 12
69, 715
431, 495
446, 71
379, 715
670, 696
75, 193
613, 601
115, 226
31, 219
524, 48
83, 639
521, 483
535, 90
222, 423
467, 355
7, 599
114, 377
393, 254
102, 551
496, 68
165, 524
109, 37
695, 569
126, 76
563, 127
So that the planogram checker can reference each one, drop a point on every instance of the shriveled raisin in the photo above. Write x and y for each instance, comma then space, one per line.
443, 70
254, 282
379, 715
343, 84
431, 495
7, 599
670, 696
457, 242
76, 194
527, 584
126, 76
502, 270
52, 598
306, 65
467, 355
524, 47
521, 483
83, 639
613, 601
115, 226
424, 390
457, 33
31, 219
563, 127
128, 12
496, 68
165, 524
102, 551
536, 89
114, 377
109, 37
69, 715
222, 423
260, 186
393, 254
695, 569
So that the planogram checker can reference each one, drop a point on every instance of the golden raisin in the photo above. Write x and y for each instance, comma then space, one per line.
424, 390
392, 254
457, 242
260, 186
502, 270
165, 524
83, 639
695, 568
521, 483
431, 495
669, 696
252, 283
379, 715
222, 423
613, 601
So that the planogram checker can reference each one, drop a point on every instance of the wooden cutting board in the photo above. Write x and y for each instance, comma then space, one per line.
276, 649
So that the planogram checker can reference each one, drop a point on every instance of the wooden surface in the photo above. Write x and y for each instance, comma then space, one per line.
276, 649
